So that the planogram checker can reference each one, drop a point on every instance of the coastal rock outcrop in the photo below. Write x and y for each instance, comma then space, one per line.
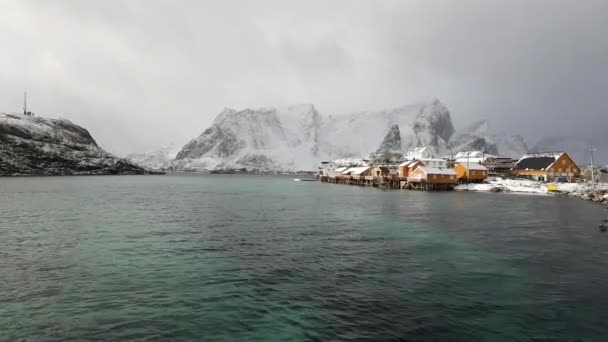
41, 146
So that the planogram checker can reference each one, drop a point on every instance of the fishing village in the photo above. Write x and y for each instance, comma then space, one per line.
420, 170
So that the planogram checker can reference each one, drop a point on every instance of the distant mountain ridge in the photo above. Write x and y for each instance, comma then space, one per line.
298, 137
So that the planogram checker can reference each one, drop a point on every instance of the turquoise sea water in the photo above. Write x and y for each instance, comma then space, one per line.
263, 258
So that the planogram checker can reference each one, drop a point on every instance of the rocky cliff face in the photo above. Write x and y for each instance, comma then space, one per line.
391, 142
258, 140
40, 146
390, 148
478, 137
475, 137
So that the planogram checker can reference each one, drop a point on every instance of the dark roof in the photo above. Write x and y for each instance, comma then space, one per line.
534, 163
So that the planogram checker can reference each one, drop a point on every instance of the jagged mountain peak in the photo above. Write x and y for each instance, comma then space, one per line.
391, 142
435, 118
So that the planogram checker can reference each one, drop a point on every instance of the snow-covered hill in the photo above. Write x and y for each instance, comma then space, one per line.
298, 137
159, 159
40, 146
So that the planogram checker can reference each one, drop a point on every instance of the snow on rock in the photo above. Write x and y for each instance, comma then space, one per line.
267, 139
390, 148
391, 142
474, 137
158, 159
298, 137
41, 146
506, 185
597, 193
477, 136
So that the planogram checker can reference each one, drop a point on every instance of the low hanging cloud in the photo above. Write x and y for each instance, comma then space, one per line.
144, 73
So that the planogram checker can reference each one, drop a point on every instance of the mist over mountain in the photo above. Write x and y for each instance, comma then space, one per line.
577, 146
298, 137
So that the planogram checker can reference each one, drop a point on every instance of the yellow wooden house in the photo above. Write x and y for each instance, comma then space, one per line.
407, 167
472, 172
548, 167
430, 178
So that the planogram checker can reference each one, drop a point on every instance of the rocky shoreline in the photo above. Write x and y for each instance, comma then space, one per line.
597, 193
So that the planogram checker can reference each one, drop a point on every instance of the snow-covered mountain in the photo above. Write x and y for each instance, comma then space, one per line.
357, 134
512, 145
40, 146
474, 137
263, 139
478, 137
159, 159
298, 137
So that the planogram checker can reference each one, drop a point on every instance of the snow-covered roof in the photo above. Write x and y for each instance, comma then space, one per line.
350, 162
358, 170
471, 154
436, 171
537, 161
554, 155
340, 169
419, 152
470, 160
474, 166
432, 160
409, 163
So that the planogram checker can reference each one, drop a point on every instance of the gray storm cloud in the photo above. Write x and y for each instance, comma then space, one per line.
140, 74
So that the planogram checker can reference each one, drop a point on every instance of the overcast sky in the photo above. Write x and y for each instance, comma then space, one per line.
140, 74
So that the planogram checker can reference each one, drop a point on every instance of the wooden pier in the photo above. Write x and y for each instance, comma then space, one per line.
387, 182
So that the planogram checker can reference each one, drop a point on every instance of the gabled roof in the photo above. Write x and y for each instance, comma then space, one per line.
436, 171
357, 170
432, 159
474, 166
537, 161
341, 169
409, 163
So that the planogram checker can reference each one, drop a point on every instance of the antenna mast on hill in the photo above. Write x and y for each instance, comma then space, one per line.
25, 103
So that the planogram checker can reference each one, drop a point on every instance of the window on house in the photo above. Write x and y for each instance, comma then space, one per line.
564, 161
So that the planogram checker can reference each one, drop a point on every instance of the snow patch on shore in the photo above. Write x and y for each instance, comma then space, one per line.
597, 193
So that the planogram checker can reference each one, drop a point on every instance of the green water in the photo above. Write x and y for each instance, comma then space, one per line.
263, 258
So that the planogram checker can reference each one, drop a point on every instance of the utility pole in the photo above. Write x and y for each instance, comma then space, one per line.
592, 169
468, 170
